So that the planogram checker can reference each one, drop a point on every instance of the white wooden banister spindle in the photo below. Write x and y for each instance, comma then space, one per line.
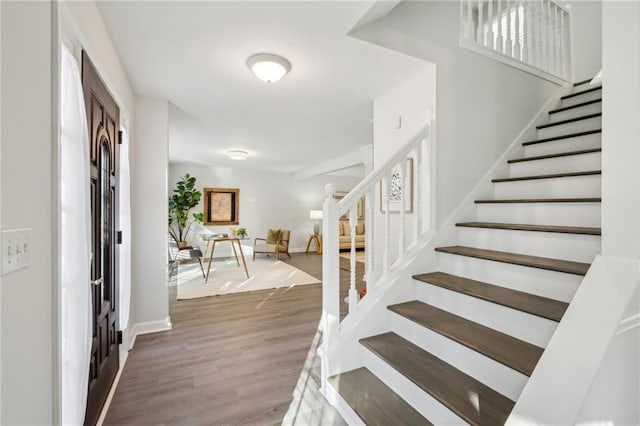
558, 47
403, 190
545, 35
564, 62
353, 293
369, 202
490, 24
549, 37
527, 36
469, 30
417, 169
480, 32
516, 50
537, 16
500, 37
508, 41
386, 255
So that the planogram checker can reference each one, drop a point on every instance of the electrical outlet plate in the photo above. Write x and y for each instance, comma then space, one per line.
16, 250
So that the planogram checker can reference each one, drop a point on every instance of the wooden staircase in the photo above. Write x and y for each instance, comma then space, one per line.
462, 351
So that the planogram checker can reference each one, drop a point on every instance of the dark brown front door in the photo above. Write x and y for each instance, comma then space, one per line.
103, 120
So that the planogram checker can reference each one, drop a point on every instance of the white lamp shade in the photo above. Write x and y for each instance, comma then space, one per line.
269, 68
315, 214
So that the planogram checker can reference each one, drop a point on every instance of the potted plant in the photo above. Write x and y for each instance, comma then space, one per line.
241, 232
185, 197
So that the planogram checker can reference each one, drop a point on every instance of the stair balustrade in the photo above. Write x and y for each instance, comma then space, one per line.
530, 35
397, 210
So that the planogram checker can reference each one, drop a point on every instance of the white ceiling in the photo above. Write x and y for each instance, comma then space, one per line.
194, 54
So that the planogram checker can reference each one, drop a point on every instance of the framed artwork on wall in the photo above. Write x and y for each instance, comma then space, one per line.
396, 188
221, 206
340, 195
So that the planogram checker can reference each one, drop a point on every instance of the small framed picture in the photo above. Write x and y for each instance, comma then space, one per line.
398, 186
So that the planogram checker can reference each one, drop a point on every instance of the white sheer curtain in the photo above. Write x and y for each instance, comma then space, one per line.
75, 245
125, 225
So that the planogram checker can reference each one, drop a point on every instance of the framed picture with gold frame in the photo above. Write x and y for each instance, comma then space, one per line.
340, 195
221, 206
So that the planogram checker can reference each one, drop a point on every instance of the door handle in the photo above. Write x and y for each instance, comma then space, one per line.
97, 282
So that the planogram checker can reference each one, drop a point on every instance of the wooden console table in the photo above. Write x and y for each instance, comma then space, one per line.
233, 241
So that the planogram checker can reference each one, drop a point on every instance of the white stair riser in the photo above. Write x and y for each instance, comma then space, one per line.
596, 94
565, 187
567, 214
420, 400
551, 284
579, 248
593, 140
569, 163
572, 127
497, 376
575, 112
521, 325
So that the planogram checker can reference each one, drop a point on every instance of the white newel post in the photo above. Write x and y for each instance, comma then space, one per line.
330, 278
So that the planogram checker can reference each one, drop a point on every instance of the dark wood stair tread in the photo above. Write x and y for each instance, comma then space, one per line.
541, 200
580, 83
567, 136
581, 92
558, 265
557, 155
470, 399
525, 302
570, 120
567, 108
549, 176
583, 230
373, 401
505, 349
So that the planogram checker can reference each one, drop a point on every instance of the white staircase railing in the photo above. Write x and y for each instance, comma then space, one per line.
401, 191
529, 34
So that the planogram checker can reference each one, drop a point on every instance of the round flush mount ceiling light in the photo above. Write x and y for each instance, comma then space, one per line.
268, 67
237, 155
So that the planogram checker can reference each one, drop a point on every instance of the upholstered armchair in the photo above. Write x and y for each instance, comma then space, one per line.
277, 243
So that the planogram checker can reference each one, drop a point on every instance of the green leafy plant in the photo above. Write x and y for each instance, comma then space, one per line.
241, 232
185, 197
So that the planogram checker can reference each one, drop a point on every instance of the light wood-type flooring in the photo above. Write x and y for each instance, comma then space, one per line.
238, 359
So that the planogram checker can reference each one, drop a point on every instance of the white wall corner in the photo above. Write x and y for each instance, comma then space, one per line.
149, 327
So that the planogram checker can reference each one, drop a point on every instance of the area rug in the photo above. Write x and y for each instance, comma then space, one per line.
360, 255
226, 277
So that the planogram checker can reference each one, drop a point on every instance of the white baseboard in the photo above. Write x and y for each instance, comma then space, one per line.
149, 327
136, 329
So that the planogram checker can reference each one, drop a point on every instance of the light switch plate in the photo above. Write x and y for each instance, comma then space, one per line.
16, 250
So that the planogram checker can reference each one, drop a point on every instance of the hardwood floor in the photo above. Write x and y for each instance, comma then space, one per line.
238, 359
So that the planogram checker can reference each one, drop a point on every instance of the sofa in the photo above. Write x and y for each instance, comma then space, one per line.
345, 235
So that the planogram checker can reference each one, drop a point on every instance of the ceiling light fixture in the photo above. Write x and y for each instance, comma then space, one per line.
268, 67
238, 154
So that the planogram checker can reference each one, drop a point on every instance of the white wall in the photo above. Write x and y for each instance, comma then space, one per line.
267, 199
586, 37
409, 103
621, 132
27, 295
481, 104
83, 24
149, 159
